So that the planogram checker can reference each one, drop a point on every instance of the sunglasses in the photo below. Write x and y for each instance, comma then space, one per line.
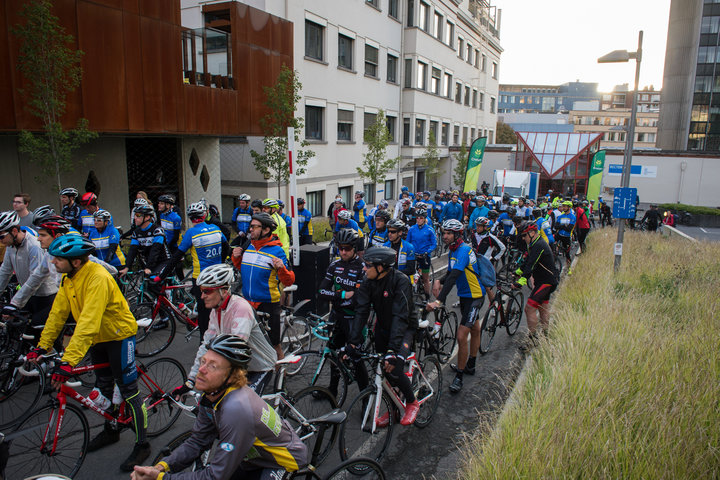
346, 248
208, 290
252, 227
393, 231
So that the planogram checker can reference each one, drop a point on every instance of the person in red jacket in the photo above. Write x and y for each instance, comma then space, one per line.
583, 227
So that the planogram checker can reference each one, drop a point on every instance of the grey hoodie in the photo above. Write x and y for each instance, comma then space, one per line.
30, 264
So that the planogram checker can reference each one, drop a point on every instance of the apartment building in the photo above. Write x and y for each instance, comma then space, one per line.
613, 125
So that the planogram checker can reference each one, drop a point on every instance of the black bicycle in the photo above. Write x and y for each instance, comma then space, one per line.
505, 311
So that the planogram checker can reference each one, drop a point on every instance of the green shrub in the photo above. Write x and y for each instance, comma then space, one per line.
680, 207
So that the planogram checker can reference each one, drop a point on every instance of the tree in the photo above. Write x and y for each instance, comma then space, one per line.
505, 134
431, 161
374, 165
460, 169
281, 99
51, 70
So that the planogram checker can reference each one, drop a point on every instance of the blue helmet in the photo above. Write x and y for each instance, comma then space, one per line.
71, 246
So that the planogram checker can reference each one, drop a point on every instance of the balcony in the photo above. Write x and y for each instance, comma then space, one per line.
207, 58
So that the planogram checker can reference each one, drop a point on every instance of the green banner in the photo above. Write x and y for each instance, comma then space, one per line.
475, 158
595, 178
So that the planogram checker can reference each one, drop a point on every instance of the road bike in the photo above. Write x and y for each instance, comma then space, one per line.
443, 331
418, 287
505, 311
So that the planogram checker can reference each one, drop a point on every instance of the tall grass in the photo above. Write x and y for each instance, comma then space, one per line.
628, 383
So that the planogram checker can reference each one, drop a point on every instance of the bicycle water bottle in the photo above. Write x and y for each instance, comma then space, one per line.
117, 397
184, 309
99, 399
436, 330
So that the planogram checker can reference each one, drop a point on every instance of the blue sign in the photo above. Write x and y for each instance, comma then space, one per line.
624, 202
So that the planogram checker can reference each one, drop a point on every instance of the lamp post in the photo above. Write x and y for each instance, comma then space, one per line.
615, 57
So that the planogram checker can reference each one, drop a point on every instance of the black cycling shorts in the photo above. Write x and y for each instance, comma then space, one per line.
470, 310
541, 294
423, 262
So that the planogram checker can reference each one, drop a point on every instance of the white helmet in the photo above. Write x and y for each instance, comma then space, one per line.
140, 201
244, 196
219, 275
453, 225
8, 220
196, 209
344, 214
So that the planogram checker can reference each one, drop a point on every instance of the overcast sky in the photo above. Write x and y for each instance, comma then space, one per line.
552, 42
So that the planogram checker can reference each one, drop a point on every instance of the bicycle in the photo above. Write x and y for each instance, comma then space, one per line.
334, 252
416, 279
360, 432
54, 438
443, 335
508, 308
295, 332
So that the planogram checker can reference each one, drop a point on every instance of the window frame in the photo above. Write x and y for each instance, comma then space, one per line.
321, 37
321, 111
392, 68
350, 52
373, 66
350, 123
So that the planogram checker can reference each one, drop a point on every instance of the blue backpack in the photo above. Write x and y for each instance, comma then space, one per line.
487, 271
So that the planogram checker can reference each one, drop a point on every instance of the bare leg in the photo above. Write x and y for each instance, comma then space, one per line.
462, 338
531, 314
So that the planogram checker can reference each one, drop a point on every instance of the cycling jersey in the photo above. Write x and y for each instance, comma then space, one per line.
423, 239
377, 237
350, 224
468, 282
477, 213
250, 435
107, 246
261, 280
452, 210
360, 214
342, 276
407, 216
98, 307
281, 232
505, 225
172, 224
149, 242
305, 222
540, 263
583, 221
71, 213
204, 242
486, 243
523, 211
29, 230
87, 222
241, 219
564, 224
545, 230
405, 256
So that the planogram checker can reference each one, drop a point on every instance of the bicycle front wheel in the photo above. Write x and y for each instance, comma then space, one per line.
296, 335
155, 332
19, 395
360, 436
427, 386
160, 376
29, 455
448, 336
320, 370
488, 328
364, 467
513, 312
310, 403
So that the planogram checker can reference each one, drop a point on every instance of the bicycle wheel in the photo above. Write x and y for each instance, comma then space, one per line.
320, 370
357, 437
155, 332
558, 265
19, 395
448, 336
312, 402
488, 328
427, 386
513, 312
364, 467
296, 335
199, 463
157, 378
28, 455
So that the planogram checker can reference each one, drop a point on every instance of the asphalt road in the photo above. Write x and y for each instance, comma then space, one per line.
701, 233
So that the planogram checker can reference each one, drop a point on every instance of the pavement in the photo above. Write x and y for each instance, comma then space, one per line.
701, 233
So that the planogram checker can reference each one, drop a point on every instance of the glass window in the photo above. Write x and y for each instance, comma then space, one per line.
494, 70
458, 92
444, 133
371, 61
435, 81
481, 103
410, 13
368, 121
492, 104
314, 40
419, 132
345, 52
469, 58
477, 58
433, 131
461, 47
347, 194
314, 122
406, 131
390, 124
392, 63
448, 85
710, 25
345, 125
465, 135
467, 96
369, 189
422, 76
376, 4
706, 54
703, 84
389, 189
472, 134
474, 98
315, 203
449, 34
456, 135
425, 16
438, 27
408, 73
393, 8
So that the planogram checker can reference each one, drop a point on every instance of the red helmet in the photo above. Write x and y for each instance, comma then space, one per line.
88, 198
55, 225
528, 227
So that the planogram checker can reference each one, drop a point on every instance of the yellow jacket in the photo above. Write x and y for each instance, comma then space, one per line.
99, 308
282, 234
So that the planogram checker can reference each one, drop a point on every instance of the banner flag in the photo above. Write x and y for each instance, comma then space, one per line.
475, 158
595, 177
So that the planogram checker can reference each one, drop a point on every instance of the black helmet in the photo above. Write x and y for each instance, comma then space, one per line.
347, 236
41, 213
300, 200
145, 210
265, 220
361, 193
384, 256
232, 348
167, 199
384, 215
256, 203
506, 197
396, 224
511, 211
493, 214
537, 212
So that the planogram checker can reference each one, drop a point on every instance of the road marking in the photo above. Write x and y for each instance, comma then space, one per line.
703, 230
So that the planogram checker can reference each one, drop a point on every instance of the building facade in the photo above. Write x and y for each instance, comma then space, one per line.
613, 123
546, 98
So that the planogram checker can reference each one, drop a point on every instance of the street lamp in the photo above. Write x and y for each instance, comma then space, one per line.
615, 57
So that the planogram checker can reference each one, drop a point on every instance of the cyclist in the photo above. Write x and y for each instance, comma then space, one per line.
504, 227
27, 260
287, 218
233, 315
106, 239
242, 214
270, 206
388, 292
105, 327
70, 209
407, 212
256, 207
485, 243
334, 209
339, 287
481, 210
305, 227
430, 203
653, 217
147, 240
170, 221
564, 226
213, 218
382, 205
360, 214
378, 235
422, 237
90, 203
140, 201
582, 226
540, 263
453, 209
254, 442
344, 220
522, 209
404, 250
263, 266
544, 228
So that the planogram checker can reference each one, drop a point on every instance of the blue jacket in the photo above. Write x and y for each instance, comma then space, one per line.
241, 218
423, 238
452, 210
360, 214
405, 257
378, 238
477, 213
305, 222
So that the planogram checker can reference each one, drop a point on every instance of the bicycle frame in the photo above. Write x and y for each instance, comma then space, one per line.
162, 300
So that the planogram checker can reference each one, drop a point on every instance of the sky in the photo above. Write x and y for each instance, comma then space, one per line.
552, 42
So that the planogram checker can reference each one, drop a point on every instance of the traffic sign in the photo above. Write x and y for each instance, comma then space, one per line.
624, 202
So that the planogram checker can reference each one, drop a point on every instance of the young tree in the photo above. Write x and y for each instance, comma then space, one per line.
431, 161
505, 134
281, 98
460, 169
51, 70
374, 165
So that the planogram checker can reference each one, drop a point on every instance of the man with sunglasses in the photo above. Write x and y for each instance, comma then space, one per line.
405, 252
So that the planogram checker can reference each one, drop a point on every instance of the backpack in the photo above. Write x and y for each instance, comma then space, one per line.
487, 271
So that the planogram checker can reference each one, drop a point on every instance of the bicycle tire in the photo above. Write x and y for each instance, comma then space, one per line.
318, 370
157, 336
448, 336
313, 402
368, 468
432, 372
295, 336
27, 459
159, 377
513, 313
16, 402
199, 463
488, 329
356, 434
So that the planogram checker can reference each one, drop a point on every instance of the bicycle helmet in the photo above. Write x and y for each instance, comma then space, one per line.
41, 213
453, 225
213, 211
362, 194
9, 220
347, 236
506, 197
102, 215
69, 192
384, 203
396, 224
421, 211
88, 198
567, 203
482, 222
256, 204
404, 189
384, 256
218, 275
406, 201
167, 199
233, 348
383, 215
270, 202
281, 204
140, 201
71, 246
527, 227
426, 192
493, 214
472, 193
55, 225
196, 210
344, 215
479, 198
145, 210
585, 202
511, 211
537, 212
265, 220
244, 197
300, 201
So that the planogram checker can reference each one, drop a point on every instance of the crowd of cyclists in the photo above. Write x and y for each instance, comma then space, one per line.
67, 265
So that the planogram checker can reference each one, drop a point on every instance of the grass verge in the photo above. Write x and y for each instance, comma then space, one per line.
628, 383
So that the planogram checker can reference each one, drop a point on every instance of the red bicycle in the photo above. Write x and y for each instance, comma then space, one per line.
54, 438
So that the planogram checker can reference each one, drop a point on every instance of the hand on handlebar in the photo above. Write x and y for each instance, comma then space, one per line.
61, 374
35, 354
